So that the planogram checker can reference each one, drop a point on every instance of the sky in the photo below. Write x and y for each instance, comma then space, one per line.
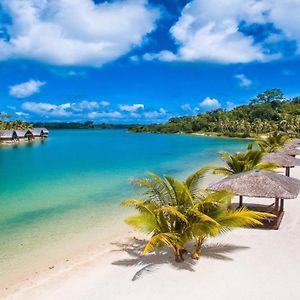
139, 61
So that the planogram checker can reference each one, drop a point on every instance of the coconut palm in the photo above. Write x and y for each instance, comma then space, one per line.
175, 212
242, 162
272, 142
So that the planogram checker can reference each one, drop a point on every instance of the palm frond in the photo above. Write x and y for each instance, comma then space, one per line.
174, 211
163, 239
241, 218
193, 181
143, 222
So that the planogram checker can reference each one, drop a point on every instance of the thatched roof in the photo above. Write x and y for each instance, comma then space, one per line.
39, 131
281, 159
260, 183
289, 150
6, 134
22, 133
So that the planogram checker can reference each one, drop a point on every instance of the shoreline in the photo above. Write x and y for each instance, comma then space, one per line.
91, 250
96, 272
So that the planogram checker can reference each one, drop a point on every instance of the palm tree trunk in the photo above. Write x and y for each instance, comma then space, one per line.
197, 251
178, 254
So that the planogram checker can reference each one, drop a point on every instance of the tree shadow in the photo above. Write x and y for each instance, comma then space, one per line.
134, 249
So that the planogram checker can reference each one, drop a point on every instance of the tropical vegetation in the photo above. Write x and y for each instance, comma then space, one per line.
16, 124
175, 212
267, 112
272, 142
243, 161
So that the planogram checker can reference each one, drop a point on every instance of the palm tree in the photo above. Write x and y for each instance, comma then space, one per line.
175, 212
242, 162
272, 142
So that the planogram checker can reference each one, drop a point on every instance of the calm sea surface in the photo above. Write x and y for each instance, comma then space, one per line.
73, 181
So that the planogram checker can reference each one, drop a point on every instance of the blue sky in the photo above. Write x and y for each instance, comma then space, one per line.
143, 61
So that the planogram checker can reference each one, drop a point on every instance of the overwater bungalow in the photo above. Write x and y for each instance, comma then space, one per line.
40, 132
18, 135
8, 135
23, 135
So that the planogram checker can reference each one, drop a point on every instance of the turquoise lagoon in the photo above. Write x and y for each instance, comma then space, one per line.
54, 192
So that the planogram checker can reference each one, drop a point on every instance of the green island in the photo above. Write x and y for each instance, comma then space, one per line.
268, 111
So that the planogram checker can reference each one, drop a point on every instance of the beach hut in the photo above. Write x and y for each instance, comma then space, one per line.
282, 160
40, 132
290, 150
8, 135
261, 184
23, 135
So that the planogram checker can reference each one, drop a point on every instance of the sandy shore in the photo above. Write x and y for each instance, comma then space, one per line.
243, 264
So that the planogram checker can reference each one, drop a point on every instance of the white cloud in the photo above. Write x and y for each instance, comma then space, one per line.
92, 110
230, 105
210, 104
156, 114
22, 114
243, 80
105, 115
105, 103
75, 32
47, 109
186, 107
209, 30
26, 89
131, 108
85, 105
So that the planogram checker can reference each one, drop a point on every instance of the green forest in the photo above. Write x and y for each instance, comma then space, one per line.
268, 111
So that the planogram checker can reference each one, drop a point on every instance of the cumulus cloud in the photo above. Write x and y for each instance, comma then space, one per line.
85, 105
131, 108
212, 31
105, 103
104, 115
22, 114
26, 89
74, 32
155, 114
210, 104
47, 109
186, 107
243, 80
97, 111
230, 105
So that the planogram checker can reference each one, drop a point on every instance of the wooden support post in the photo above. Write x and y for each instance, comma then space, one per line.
287, 171
240, 201
276, 205
281, 204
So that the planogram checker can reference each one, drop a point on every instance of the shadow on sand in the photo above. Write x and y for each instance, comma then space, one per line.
148, 263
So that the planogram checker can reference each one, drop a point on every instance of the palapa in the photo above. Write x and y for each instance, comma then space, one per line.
281, 159
261, 184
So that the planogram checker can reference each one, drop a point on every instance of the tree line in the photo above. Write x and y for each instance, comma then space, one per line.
267, 112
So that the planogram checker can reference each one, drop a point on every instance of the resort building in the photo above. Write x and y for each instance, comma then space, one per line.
8, 135
11, 136
24, 135
40, 132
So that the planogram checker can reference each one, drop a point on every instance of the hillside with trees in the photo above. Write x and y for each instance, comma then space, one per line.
267, 112
15, 124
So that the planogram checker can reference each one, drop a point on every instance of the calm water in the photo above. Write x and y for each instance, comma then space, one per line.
74, 181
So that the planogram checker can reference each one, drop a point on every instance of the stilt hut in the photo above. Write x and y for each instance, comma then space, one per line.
40, 132
23, 135
8, 135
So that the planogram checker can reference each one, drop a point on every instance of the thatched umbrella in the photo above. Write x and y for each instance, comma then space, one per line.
260, 183
289, 150
282, 160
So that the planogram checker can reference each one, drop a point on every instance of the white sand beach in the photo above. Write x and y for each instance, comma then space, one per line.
243, 264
